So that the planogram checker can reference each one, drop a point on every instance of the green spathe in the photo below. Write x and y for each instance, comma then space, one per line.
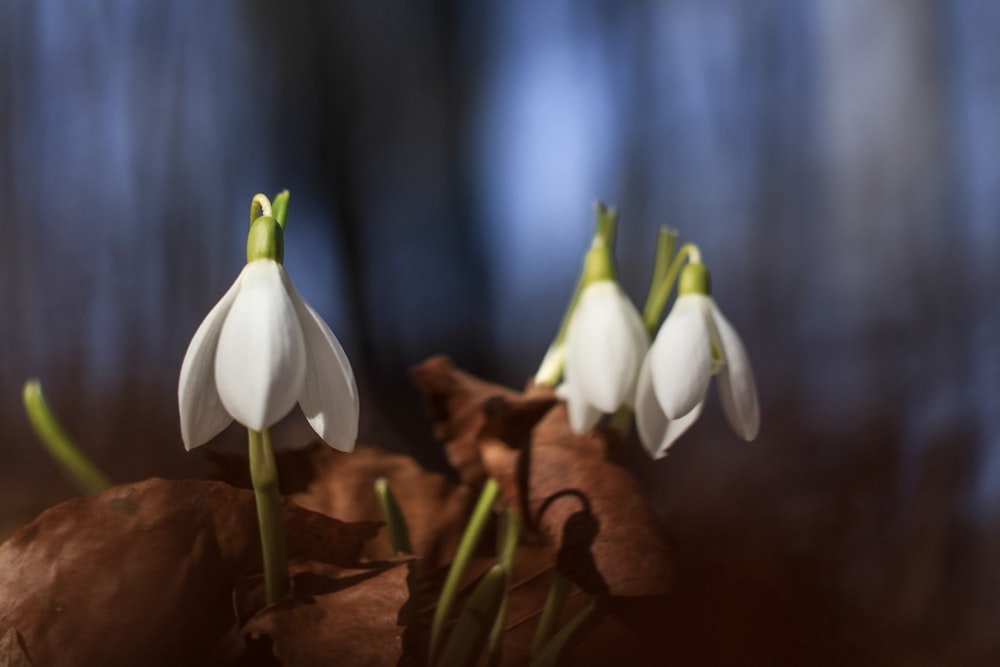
266, 240
598, 264
694, 280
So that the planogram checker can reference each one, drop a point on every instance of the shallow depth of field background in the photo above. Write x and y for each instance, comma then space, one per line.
838, 162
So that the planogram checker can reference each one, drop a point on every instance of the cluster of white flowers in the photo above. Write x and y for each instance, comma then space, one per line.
262, 349
609, 363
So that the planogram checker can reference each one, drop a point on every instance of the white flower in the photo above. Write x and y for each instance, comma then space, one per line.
605, 345
694, 343
259, 351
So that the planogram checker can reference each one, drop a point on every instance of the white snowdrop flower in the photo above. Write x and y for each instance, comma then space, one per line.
605, 346
261, 350
694, 343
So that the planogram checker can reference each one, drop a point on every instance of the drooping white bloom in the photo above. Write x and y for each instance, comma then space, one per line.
694, 343
259, 351
605, 345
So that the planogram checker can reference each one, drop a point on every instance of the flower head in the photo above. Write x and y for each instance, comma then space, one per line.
694, 343
605, 345
261, 350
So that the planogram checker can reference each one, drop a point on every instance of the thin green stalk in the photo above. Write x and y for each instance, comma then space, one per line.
465, 644
395, 523
264, 475
666, 242
657, 298
511, 535
549, 655
59, 445
467, 546
259, 205
551, 612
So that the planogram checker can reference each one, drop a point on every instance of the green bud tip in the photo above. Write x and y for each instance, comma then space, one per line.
694, 280
598, 264
266, 240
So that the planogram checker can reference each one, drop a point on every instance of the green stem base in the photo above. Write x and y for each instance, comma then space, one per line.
264, 475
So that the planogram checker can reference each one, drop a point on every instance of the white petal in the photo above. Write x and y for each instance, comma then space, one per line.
329, 399
650, 421
582, 416
681, 356
656, 432
605, 345
260, 364
202, 415
736, 385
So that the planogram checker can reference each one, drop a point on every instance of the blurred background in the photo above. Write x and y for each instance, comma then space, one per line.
838, 162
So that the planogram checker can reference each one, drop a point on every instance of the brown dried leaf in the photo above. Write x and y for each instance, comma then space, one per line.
464, 409
144, 573
435, 508
608, 538
342, 485
12, 650
337, 616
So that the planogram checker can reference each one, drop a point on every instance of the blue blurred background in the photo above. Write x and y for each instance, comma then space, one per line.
838, 162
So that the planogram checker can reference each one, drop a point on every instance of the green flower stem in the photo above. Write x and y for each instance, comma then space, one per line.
395, 523
59, 445
658, 293
666, 243
280, 207
467, 546
549, 655
260, 205
551, 612
511, 535
466, 642
264, 475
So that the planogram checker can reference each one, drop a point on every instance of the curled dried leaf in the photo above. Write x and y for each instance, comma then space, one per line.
608, 538
465, 409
